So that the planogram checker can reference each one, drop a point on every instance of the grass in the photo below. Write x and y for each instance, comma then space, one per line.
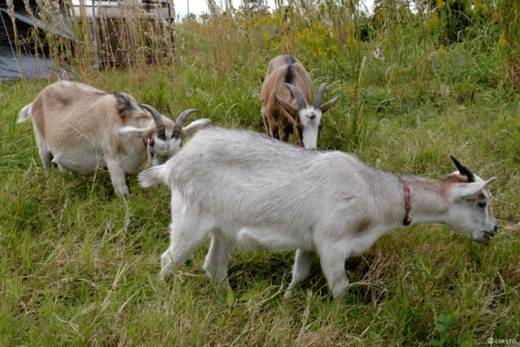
79, 265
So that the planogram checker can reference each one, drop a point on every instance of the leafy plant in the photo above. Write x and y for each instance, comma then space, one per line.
444, 327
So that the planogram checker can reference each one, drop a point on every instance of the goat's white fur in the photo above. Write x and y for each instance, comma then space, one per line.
243, 188
80, 128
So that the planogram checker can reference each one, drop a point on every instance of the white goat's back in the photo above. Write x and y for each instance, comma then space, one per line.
278, 186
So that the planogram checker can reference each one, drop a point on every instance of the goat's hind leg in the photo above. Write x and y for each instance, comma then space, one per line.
302, 268
43, 150
218, 257
187, 233
183, 243
265, 118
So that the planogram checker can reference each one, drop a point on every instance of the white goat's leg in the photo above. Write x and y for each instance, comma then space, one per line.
45, 155
117, 175
187, 233
56, 161
182, 247
217, 259
301, 269
333, 266
43, 150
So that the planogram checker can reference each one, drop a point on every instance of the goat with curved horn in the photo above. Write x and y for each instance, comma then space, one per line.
281, 116
113, 126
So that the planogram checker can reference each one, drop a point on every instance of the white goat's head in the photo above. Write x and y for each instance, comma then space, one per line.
306, 119
162, 144
470, 213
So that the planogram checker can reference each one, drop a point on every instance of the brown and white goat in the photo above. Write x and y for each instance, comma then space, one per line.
80, 128
286, 83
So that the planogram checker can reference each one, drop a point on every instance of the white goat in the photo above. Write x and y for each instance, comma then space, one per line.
288, 82
80, 128
241, 187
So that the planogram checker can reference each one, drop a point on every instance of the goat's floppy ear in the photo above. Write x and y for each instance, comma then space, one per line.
130, 131
325, 107
194, 126
469, 189
292, 111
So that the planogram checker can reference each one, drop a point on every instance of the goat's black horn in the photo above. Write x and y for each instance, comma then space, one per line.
463, 169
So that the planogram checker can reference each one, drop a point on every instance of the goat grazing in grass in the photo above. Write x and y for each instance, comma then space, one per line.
286, 83
80, 128
243, 188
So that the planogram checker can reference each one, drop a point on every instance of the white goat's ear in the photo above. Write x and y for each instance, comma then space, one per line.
325, 107
194, 126
292, 111
470, 189
130, 131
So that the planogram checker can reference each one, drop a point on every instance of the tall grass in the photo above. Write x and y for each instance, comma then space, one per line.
79, 265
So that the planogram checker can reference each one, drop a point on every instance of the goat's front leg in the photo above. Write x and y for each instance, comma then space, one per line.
43, 150
302, 268
333, 265
265, 117
282, 133
118, 176
297, 136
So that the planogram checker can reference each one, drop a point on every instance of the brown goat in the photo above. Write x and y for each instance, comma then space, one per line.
286, 94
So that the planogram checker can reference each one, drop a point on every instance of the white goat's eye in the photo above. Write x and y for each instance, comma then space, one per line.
482, 204
151, 150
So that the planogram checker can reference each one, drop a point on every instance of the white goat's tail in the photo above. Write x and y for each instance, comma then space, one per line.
153, 176
24, 114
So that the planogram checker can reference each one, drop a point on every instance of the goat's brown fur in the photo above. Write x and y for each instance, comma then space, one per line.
80, 128
63, 123
276, 119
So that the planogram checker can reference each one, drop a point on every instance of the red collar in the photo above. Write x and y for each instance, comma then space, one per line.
407, 204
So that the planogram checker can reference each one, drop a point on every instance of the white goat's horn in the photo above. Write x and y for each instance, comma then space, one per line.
180, 122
